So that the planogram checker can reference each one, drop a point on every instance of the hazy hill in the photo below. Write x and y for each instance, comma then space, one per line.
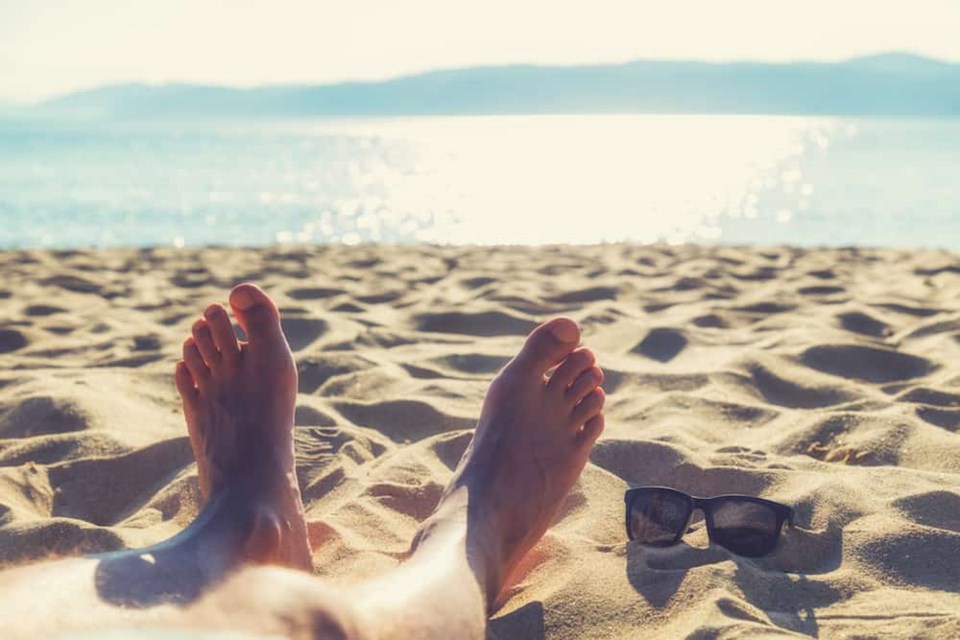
886, 84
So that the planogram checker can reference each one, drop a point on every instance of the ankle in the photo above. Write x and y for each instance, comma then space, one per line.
457, 524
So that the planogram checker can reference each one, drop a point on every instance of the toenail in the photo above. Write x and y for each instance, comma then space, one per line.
242, 298
564, 331
213, 310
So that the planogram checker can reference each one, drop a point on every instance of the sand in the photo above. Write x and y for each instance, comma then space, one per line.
826, 379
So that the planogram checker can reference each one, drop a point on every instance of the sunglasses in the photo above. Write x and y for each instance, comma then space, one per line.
747, 526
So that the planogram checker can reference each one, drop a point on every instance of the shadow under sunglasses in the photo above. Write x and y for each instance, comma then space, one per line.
745, 525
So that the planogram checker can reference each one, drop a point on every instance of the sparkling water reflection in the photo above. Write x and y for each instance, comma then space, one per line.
525, 179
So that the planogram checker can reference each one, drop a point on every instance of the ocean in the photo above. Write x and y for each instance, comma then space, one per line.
483, 180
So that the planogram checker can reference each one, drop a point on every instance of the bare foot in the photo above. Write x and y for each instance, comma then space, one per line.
239, 400
532, 441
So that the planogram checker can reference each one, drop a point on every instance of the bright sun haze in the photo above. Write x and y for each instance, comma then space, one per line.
54, 47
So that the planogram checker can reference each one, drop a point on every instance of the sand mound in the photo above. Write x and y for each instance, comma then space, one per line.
829, 380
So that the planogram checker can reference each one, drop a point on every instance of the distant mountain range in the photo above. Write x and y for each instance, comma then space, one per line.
886, 84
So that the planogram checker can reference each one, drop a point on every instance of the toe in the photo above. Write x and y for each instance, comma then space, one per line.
571, 369
223, 336
589, 407
195, 364
184, 382
587, 382
591, 430
204, 339
547, 345
256, 313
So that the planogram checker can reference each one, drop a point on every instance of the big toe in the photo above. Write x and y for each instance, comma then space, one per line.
548, 345
256, 313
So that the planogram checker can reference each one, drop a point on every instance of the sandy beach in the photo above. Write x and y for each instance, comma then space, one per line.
825, 379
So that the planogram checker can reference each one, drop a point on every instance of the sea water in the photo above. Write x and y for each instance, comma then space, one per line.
483, 180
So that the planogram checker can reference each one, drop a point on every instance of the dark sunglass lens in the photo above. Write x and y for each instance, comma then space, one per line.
658, 517
746, 528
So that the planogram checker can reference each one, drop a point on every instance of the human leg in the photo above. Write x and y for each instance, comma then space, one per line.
239, 402
532, 441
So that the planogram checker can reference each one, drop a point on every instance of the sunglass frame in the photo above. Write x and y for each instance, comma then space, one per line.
783, 513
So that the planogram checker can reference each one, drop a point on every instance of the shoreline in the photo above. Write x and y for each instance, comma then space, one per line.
438, 246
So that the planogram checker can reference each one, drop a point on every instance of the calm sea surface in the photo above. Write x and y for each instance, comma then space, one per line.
524, 179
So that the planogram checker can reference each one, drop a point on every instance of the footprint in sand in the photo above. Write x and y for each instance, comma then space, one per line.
813, 439
949, 267
472, 363
759, 274
301, 332
926, 395
191, 278
147, 342
12, 340
60, 447
869, 364
934, 328
56, 538
88, 489
314, 293
484, 323
662, 344
820, 290
314, 371
305, 415
422, 373
925, 557
73, 283
939, 509
787, 389
476, 283
130, 361
711, 321
173, 319
42, 415
325, 453
41, 310
939, 408
944, 418
619, 457
415, 500
381, 298
864, 324
906, 309
591, 294
348, 307
449, 447
766, 307
403, 420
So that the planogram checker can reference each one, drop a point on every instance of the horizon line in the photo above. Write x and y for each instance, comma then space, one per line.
11, 101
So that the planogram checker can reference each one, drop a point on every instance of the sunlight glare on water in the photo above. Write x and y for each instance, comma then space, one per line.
537, 179
483, 180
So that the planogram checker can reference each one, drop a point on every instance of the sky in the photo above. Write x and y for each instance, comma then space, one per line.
52, 47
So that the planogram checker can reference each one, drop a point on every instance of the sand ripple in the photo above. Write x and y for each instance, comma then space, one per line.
827, 379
